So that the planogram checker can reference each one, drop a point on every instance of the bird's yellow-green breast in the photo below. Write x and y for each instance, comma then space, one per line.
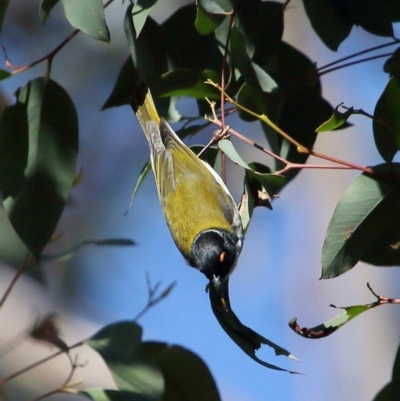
191, 198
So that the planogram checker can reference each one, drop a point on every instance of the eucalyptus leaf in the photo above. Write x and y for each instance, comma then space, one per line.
45, 8
38, 152
329, 24
87, 16
329, 327
186, 376
3, 10
386, 122
132, 369
337, 120
217, 6
140, 12
207, 22
366, 211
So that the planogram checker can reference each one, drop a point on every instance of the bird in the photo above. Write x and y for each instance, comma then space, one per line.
199, 210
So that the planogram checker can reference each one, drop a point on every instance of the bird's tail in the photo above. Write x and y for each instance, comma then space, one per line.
143, 105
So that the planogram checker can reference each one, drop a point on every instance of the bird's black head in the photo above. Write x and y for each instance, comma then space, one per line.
214, 253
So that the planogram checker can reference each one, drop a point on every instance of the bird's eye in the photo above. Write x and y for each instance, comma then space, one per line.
222, 257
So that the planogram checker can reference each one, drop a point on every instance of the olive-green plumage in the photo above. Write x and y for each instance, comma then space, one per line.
193, 197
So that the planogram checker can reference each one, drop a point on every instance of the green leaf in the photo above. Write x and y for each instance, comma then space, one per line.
45, 9
186, 375
386, 394
336, 120
303, 110
3, 9
38, 151
256, 100
392, 64
252, 73
386, 122
373, 16
329, 327
329, 24
149, 59
73, 250
88, 16
245, 338
143, 174
133, 370
295, 69
186, 47
217, 6
270, 31
207, 22
140, 12
368, 208
183, 82
124, 86
100, 394
4, 74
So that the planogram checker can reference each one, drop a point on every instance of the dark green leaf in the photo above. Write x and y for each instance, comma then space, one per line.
217, 6
394, 9
124, 86
396, 374
252, 73
386, 250
244, 337
186, 375
143, 174
88, 16
4, 74
3, 9
336, 120
256, 100
294, 69
36, 174
392, 64
45, 9
373, 16
386, 394
302, 112
329, 24
183, 82
247, 203
133, 370
386, 122
186, 47
73, 250
100, 394
149, 59
364, 213
141, 10
270, 31
209, 155
329, 327
269, 183
207, 22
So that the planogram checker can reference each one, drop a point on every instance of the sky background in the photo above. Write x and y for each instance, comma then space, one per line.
277, 274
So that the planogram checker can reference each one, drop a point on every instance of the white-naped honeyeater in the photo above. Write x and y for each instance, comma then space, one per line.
200, 212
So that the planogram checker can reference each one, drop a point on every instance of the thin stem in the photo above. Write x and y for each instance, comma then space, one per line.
38, 363
371, 49
353, 63
25, 264
50, 55
301, 148
222, 98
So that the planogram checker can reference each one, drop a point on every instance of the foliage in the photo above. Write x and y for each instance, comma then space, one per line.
217, 52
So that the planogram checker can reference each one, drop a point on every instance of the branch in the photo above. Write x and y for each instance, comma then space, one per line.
49, 57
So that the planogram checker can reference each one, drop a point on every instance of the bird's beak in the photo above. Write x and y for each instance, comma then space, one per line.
218, 285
